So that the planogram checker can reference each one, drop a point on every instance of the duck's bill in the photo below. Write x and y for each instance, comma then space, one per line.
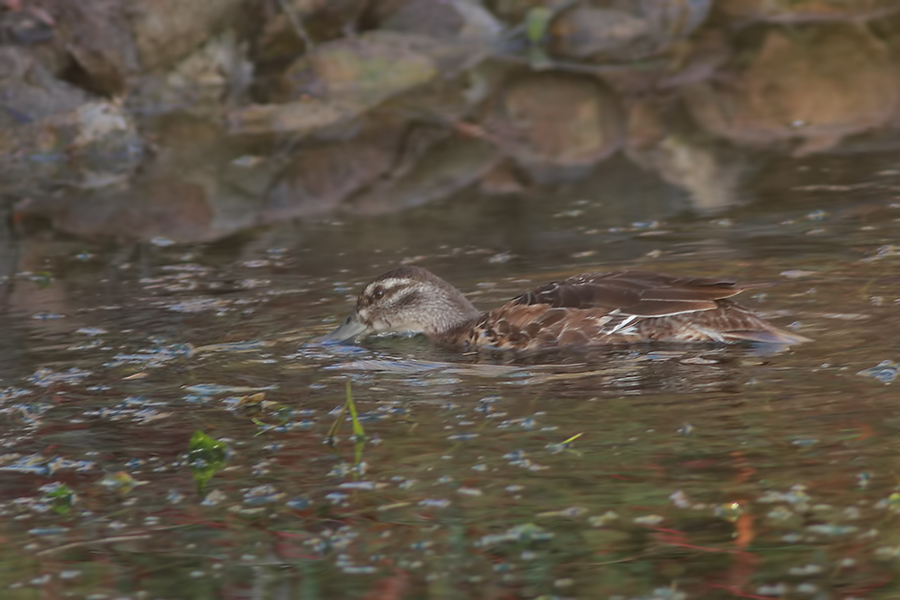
349, 329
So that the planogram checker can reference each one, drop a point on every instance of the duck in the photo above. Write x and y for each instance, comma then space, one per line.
583, 311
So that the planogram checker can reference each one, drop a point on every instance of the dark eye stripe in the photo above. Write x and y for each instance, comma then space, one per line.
386, 294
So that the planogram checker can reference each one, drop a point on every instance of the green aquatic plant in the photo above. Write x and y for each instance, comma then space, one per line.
60, 498
207, 456
358, 432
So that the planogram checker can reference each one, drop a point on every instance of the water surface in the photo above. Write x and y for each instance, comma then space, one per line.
635, 473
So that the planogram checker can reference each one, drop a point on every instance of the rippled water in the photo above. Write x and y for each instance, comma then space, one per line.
644, 473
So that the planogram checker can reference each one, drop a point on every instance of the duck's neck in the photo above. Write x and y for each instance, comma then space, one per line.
457, 337
453, 313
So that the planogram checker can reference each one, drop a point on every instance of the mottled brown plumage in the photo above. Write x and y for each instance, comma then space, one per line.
620, 307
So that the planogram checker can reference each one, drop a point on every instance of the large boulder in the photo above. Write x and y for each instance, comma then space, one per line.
556, 126
458, 20
114, 42
318, 178
52, 133
167, 30
814, 84
198, 185
30, 91
798, 11
446, 167
342, 80
622, 30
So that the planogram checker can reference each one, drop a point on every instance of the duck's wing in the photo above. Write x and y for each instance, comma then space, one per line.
633, 293
625, 307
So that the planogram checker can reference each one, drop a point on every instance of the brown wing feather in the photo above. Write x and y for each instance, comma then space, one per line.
624, 307
539, 326
524, 327
640, 293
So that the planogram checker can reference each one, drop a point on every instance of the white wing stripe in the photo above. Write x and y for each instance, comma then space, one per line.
621, 325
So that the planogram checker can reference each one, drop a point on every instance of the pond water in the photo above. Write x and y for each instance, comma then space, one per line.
165, 416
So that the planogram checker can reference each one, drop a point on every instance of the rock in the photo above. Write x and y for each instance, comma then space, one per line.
688, 61
500, 181
584, 32
214, 75
447, 100
815, 84
459, 20
29, 92
192, 189
27, 25
167, 30
114, 43
92, 146
52, 133
98, 35
302, 117
798, 11
322, 20
556, 126
646, 125
319, 178
515, 11
697, 59
447, 167
708, 170
363, 71
32, 27
173, 209
342, 80
106, 146
620, 30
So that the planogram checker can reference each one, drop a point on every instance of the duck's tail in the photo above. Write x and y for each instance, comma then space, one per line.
742, 324
771, 335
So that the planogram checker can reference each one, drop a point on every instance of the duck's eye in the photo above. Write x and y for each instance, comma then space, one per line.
378, 293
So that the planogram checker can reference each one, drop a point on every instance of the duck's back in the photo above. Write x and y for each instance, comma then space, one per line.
622, 307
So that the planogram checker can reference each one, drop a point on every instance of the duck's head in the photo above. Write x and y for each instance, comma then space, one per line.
406, 300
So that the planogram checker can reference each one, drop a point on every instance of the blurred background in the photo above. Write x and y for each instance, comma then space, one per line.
192, 121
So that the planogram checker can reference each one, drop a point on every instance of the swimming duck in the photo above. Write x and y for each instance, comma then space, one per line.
591, 309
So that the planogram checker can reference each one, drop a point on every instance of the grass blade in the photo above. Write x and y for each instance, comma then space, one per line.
358, 430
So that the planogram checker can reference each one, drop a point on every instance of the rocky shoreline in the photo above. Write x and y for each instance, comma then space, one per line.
193, 120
